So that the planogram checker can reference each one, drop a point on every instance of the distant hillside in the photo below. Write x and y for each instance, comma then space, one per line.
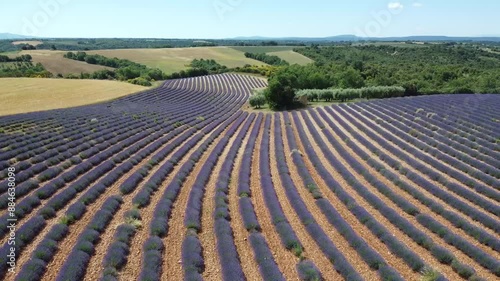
10, 36
339, 38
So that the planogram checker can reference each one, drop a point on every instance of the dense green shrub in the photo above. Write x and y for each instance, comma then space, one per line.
257, 100
351, 94
125, 70
280, 93
269, 59
380, 92
140, 81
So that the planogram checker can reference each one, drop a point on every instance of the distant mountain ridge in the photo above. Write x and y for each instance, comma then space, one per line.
10, 36
339, 38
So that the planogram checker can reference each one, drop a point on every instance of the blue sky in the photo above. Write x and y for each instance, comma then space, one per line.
231, 18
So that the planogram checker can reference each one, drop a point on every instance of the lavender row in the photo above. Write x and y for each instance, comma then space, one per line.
396, 247
22, 237
454, 202
192, 255
118, 251
455, 188
441, 128
404, 225
475, 232
288, 237
427, 144
59, 201
159, 223
245, 203
458, 111
333, 254
228, 255
419, 237
192, 219
111, 130
371, 257
75, 266
457, 128
461, 152
267, 265
81, 149
36, 266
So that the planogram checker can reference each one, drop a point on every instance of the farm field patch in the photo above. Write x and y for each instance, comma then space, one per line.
176, 59
283, 52
30, 42
56, 63
180, 183
22, 95
292, 57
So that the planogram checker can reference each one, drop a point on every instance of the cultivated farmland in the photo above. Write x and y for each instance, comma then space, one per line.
178, 183
283, 52
176, 59
24, 95
292, 57
56, 63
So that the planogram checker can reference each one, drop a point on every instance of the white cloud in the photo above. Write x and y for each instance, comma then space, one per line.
395, 6
417, 4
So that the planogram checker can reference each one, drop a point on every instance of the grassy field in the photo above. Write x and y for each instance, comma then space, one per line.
169, 60
34, 43
21, 95
292, 57
284, 52
54, 62
264, 49
176, 59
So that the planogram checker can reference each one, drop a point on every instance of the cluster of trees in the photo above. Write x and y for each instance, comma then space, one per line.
98, 59
209, 64
264, 70
420, 69
370, 72
375, 92
269, 59
25, 47
200, 67
22, 66
125, 70
22, 58
25, 69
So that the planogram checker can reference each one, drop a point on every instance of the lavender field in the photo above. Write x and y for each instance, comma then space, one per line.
180, 183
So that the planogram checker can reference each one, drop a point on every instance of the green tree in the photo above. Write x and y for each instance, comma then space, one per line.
280, 93
351, 78
257, 100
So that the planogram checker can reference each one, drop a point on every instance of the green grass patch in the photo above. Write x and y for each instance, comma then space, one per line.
292, 57
264, 49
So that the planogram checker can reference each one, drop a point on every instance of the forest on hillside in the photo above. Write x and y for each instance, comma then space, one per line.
426, 69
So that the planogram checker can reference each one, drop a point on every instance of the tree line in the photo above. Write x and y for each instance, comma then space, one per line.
425, 69
21, 58
200, 67
265, 58
374, 71
22, 66
124, 70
